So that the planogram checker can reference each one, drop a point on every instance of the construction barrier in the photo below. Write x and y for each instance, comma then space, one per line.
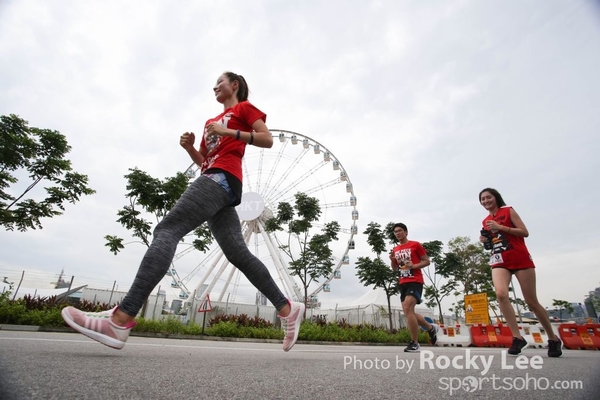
497, 335
453, 336
535, 335
585, 337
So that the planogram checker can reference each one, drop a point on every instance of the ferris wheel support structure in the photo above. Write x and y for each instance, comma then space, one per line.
272, 176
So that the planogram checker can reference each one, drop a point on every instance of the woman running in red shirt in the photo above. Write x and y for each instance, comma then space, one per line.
505, 233
212, 198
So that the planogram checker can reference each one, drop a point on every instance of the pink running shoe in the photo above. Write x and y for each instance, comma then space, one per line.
291, 325
98, 326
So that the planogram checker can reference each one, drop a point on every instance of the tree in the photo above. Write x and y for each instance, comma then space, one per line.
469, 261
437, 291
40, 153
562, 305
375, 271
155, 197
458, 308
309, 251
466, 267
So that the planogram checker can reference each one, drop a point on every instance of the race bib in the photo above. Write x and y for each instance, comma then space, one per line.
496, 259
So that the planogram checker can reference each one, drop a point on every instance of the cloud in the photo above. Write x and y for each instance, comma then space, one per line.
424, 104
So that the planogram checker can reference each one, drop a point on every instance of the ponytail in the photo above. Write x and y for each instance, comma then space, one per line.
242, 94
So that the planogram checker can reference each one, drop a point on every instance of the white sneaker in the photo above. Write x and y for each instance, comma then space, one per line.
291, 324
98, 326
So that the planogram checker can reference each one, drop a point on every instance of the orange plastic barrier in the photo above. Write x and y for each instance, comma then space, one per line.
498, 335
585, 337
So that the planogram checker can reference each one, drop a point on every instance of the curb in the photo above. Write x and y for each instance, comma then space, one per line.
33, 328
29, 328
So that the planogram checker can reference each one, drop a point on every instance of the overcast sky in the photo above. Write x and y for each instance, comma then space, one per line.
424, 104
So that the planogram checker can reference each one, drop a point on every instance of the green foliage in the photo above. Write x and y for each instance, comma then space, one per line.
241, 326
40, 311
468, 264
231, 329
562, 305
149, 325
434, 251
388, 231
241, 320
375, 238
90, 306
156, 197
436, 291
11, 312
30, 311
466, 268
40, 154
377, 272
362, 333
241, 329
171, 325
168, 326
309, 251
224, 329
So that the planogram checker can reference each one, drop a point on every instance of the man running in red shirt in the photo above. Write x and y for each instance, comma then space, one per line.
410, 257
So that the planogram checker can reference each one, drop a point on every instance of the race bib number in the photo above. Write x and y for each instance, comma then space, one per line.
496, 259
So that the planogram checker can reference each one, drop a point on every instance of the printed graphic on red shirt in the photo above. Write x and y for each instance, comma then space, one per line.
499, 243
412, 251
508, 251
402, 256
212, 142
226, 152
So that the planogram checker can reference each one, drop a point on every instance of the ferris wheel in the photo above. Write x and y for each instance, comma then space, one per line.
295, 164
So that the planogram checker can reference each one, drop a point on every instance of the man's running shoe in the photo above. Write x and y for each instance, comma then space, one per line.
518, 344
413, 347
554, 348
433, 334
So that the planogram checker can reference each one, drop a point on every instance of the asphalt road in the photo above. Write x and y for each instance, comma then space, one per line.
39, 365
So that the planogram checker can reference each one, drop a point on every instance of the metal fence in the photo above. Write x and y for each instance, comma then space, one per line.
198, 312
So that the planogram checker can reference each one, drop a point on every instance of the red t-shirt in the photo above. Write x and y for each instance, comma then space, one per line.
225, 152
412, 251
508, 251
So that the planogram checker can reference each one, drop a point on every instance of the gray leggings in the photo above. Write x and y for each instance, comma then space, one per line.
204, 200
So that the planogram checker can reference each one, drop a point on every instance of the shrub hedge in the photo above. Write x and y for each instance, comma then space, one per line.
46, 312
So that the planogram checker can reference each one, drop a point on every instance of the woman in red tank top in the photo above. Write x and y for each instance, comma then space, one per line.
505, 233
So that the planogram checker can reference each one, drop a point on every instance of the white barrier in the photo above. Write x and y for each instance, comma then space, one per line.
535, 335
454, 336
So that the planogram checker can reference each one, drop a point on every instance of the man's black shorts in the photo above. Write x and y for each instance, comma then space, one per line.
413, 289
